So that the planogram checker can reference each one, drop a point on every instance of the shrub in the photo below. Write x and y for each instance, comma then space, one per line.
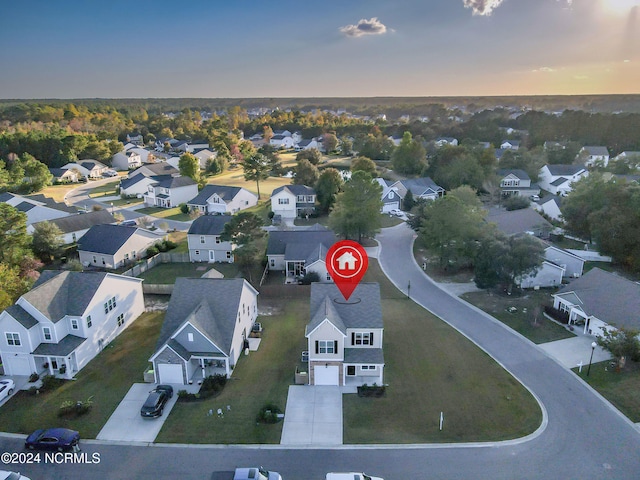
270, 215
310, 277
268, 414
161, 246
152, 250
211, 386
516, 203
34, 377
49, 382
71, 409
371, 390
169, 245
184, 208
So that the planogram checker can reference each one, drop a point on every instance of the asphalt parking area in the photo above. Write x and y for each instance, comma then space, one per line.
126, 424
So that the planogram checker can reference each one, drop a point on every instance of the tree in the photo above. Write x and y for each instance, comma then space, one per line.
36, 174
516, 202
14, 239
10, 285
47, 241
621, 343
330, 142
409, 157
312, 154
306, 173
346, 146
257, 168
363, 164
189, 166
328, 187
267, 134
243, 230
357, 208
408, 201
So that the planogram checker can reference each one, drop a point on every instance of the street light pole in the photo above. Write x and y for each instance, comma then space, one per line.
593, 347
409, 290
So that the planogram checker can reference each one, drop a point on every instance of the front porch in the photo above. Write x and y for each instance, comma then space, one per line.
203, 367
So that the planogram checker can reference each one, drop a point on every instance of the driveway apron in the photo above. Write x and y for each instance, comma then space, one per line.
313, 416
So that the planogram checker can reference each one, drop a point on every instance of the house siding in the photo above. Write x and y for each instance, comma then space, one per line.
286, 210
220, 249
326, 332
199, 343
168, 356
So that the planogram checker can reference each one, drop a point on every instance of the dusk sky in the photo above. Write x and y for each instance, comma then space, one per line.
249, 48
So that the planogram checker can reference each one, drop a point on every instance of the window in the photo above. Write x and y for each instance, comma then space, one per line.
73, 237
103, 262
126, 257
74, 323
309, 198
351, 370
89, 321
13, 339
202, 240
326, 346
197, 252
190, 336
120, 319
106, 308
95, 260
272, 262
368, 367
362, 338
228, 255
217, 239
328, 277
283, 201
46, 332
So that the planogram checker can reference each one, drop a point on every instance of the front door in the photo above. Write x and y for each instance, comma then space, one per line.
212, 256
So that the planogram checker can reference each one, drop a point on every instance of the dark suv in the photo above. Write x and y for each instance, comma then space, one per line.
156, 401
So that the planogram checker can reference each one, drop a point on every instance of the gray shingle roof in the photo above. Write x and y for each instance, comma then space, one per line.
295, 189
210, 303
421, 186
160, 168
364, 356
67, 293
169, 181
305, 242
107, 239
64, 347
209, 225
129, 182
568, 170
609, 297
81, 221
521, 174
22, 316
559, 181
363, 310
518, 221
224, 192
596, 150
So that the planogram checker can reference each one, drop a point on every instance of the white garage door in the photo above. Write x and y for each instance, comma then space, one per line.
170, 373
17, 366
326, 375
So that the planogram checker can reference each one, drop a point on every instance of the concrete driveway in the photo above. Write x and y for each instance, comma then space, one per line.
313, 416
570, 352
126, 424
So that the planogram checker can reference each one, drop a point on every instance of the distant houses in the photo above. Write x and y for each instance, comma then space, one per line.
220, 199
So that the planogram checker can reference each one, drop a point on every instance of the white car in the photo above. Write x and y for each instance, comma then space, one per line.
255, 473
395, 212
6, 389
4, 475
350, 476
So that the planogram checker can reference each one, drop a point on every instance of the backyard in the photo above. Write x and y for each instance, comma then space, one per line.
166, 273
167, 213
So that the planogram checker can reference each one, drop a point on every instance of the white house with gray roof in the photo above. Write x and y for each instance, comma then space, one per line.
153, 169
291, 201
517, 183
203, 239
345, 338
220, 199
126, 160
594, 155
65, 320
167, 191
113, 246
550, 206
558, 179
87, 168
599, 301
75, 226
424, 188
205, 330
37, 207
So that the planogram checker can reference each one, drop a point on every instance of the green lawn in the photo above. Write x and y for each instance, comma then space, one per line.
107, 378
620, 388
126, 202
58, 192
106, 190
166, 273
385, 221
235, 178
523, 321
180, 238
168, 213
262, 377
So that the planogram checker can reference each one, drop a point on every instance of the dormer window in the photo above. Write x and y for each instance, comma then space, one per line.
74, 324
46, 333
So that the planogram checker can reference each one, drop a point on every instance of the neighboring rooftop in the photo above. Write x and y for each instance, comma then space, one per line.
209, 225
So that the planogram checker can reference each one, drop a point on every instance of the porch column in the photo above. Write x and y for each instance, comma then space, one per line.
226, 367
203, 368
50, 367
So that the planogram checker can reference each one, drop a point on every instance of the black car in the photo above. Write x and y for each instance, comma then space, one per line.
157, 399
59, 439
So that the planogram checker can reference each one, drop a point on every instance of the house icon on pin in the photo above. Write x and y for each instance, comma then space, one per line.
346, 261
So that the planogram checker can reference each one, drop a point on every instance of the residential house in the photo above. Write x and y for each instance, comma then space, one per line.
600, 301
203, 239
135, 185
65, 320
549, 274
113, 246
395, 139
153, 169
549, 205
60, 175
168, 191
164, 143
126, 160
448, 141
553, 145
557, 179
573, 265
345, 338
391, 199
281, 141
87, 168
135, 138
516, 183
204, 155
421, 188
308, 144
510, 145
219, 199
525, 220
594, 155
146, 156
37, 207
628, 155
205, 330
75, 226
298, 252
291, 201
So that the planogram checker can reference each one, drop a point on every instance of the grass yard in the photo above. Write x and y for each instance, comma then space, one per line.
106, 190
235, 178
431, 368
168, 213
166, 273
107, 378
58, 192
126, 202
620, 388
262, 377
422, 255
180, 238
523, 320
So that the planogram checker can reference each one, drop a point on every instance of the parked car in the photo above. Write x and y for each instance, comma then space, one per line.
255, 473
129, 223
6, 388
350, 476
157, 399
59, 439
4, 475
396, 213
110, 173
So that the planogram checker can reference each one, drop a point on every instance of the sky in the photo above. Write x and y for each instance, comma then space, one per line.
309, 48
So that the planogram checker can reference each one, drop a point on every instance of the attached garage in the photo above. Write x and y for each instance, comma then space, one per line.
170, 373
326, 375
17, 365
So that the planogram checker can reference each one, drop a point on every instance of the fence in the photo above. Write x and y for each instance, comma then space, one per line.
148, 263
157, 289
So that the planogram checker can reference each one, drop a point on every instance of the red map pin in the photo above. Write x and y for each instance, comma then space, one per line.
347, 263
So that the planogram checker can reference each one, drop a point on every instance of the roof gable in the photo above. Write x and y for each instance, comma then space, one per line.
209, 225
106, 239
362, 310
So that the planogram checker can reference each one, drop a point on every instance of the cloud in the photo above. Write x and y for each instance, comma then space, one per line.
364, 27
544, 69
482, 7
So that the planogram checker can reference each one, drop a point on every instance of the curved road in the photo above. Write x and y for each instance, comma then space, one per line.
584, 438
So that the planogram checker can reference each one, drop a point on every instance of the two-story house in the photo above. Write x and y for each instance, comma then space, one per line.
516, 182
558, 179
594, 155
65, 320
167, 191
126, 160
291, 201
87, 168
219, 199
205, 330
345, 338
203, 239
74, 227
